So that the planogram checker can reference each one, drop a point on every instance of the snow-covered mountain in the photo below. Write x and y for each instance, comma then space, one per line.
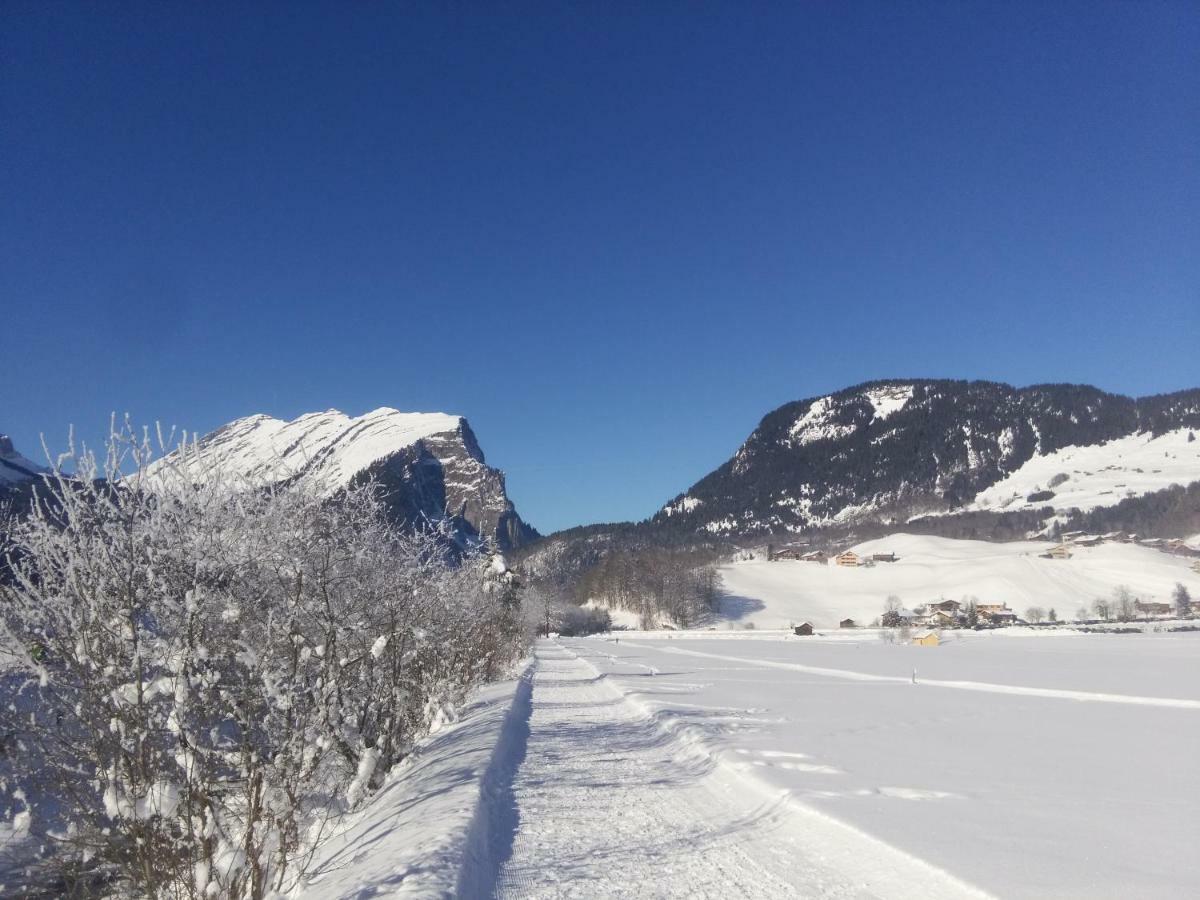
430, 464
892, 451
15, 468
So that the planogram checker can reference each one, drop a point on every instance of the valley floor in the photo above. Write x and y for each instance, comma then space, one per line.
761, 765
611, 804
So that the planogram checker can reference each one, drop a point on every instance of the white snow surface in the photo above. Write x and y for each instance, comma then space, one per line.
785, 592
889, 399
818, 423
763, 765
1025, 767
435, 827
615, 800
328, 448
1100, 474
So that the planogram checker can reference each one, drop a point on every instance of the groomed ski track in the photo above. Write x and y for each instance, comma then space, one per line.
605, 802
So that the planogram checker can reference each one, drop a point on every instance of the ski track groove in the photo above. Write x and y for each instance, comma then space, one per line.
609, 804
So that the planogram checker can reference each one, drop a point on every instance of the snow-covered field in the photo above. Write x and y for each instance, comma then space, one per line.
777, 594
763, 765
1064, 767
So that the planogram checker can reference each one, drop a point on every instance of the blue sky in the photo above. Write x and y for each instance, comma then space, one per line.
613, 236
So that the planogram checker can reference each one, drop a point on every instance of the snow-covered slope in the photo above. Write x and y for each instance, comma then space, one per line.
15, 468
1098, 475
889, 451
430, 463
328, 449
776, 594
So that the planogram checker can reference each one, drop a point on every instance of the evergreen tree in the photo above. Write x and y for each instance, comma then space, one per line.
1183, 601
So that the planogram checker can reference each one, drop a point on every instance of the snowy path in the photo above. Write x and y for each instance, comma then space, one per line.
609, 804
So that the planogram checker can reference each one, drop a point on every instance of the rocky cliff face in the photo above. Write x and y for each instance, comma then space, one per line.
890, 451
430, 465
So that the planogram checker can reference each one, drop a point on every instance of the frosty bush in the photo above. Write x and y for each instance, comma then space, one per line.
204, 671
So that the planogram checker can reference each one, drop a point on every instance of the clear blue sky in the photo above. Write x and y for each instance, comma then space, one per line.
611, 235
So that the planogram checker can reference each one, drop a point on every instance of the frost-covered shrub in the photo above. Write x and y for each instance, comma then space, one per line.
203, 672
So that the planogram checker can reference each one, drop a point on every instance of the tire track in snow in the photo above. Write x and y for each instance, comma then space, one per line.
984, 686
610, 804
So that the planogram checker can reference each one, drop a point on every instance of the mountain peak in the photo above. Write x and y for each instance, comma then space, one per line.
430, 464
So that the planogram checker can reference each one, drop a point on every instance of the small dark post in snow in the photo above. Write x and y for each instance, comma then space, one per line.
914, 674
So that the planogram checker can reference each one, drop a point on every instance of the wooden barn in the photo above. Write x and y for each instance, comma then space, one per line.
847, 623
926, 640
804, 629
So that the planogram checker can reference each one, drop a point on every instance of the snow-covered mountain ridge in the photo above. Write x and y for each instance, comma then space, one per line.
15, 468
890, 451
430, 464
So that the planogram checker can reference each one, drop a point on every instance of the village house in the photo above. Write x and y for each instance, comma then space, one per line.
790, 551
926, 640
849, 558
950, 606
817, 556
1146, 608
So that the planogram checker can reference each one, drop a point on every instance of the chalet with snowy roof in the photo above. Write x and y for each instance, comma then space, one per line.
804, 629
847, 623
950, 606
926, 640
849, 558
790, 551
940, 618
817, 556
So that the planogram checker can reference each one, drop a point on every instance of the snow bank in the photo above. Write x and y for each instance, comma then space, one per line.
439, 825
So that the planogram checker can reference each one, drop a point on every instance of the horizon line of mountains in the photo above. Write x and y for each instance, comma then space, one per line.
962, 458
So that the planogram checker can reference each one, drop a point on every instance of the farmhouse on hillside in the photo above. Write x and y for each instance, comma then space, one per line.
1152, 609
849, 558
884, 557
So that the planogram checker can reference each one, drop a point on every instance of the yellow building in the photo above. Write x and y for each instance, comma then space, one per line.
926, 640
